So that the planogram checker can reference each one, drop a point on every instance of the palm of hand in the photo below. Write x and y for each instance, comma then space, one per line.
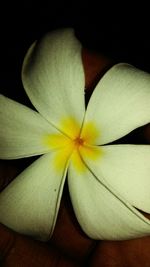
69, 246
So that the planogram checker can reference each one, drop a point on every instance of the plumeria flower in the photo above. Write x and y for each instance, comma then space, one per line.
108, 183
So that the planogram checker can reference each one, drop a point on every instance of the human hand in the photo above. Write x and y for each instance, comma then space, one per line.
69, 246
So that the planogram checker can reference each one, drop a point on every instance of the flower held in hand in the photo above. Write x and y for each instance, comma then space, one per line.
106, 182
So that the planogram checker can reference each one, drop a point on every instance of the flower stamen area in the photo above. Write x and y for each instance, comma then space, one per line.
78, 141
75, 144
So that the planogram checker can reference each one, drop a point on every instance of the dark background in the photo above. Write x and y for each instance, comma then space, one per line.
120, 32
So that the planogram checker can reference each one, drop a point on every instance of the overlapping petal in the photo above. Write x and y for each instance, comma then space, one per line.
127, 169
101, 212
22, 130
30, 203
53, 77
120, 102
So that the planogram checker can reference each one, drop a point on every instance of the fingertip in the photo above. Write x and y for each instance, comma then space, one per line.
7, 239
95, 65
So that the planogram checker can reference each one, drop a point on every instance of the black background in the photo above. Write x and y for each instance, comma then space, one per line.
120, 32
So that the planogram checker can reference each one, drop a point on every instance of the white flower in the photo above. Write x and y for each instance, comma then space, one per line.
106, 182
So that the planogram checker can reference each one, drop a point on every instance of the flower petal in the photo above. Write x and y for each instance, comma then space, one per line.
53, 77
120, 102
30, 204
101, 212
22, 130
127, 169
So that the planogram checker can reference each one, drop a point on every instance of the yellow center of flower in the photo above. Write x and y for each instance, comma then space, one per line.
74, 143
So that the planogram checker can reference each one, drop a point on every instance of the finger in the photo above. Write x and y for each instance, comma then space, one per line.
95, 65
122, 253
7, 239
68, 235
17, 250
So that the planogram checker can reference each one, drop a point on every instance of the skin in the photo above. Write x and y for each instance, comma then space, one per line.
69, 246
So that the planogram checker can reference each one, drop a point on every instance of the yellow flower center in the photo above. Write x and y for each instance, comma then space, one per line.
74, 143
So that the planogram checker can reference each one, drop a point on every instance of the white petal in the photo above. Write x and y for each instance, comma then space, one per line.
29, 205
53, 76
120, 102
101, 213
127, 169
22, 130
